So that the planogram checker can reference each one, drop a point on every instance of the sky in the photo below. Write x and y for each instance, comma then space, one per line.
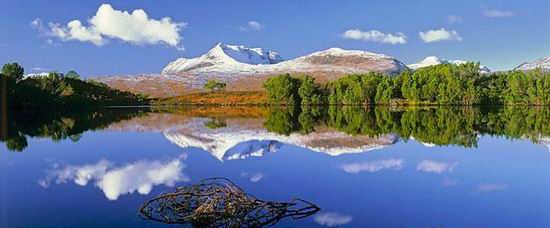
100, 38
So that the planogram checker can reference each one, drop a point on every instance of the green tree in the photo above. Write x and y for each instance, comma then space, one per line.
356, 89
283, 89
13, 72
214, 85
310, 92
72, 74
384, 91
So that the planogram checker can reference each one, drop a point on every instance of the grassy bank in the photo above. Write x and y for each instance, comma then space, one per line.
220, 98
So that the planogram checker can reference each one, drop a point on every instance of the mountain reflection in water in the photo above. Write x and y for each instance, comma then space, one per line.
341, 130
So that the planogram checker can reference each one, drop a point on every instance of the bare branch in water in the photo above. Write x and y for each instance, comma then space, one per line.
217, 202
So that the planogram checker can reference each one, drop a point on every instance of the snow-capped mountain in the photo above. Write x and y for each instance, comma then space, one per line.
426, 62
244, 68
240, 60
542, 63
433, 60
230, 57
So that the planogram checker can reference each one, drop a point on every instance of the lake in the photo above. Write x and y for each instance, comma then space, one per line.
364, 167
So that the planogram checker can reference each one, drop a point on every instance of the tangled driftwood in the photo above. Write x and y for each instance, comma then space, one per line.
217, 202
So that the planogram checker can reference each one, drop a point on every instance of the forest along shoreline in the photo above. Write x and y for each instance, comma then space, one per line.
445, 84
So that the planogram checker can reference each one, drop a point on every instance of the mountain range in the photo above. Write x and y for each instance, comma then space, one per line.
231, 60
244, 68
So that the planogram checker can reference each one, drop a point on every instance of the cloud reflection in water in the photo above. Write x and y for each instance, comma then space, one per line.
430, 166
332, 219
140, 176
374, 166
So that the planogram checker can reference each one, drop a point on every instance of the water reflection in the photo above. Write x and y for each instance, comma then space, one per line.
58, 125
243, 138
430, 166
373, 166
331, 219
239, 133
114, 181
363, 166
346, 130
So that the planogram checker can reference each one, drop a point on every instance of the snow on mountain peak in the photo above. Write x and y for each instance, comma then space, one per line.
247, 55
336, 51
428, 61
352, 61
543, 63
434, 60
232, 56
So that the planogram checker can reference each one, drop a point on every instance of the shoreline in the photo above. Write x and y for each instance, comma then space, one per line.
260, 99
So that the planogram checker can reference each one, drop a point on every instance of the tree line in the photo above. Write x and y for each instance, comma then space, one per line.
445, 84
60, 90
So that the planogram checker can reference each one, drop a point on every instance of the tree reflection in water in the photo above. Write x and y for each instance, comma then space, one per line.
446, 125
217, 202
450, 125
58, 125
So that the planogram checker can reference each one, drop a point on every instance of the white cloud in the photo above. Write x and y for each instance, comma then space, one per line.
451, 19
135, 28
140, 176
490, 187
37, 23
255, 25
439, 35
435, 167
374, 166
75, 31
495, 13
332, 219
375, 36
252, 25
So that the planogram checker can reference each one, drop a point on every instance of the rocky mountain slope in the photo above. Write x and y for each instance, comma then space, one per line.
433, 60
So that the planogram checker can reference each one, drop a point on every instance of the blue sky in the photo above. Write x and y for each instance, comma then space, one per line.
499, 34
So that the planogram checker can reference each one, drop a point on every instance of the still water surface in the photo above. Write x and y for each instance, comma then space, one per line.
417, 167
